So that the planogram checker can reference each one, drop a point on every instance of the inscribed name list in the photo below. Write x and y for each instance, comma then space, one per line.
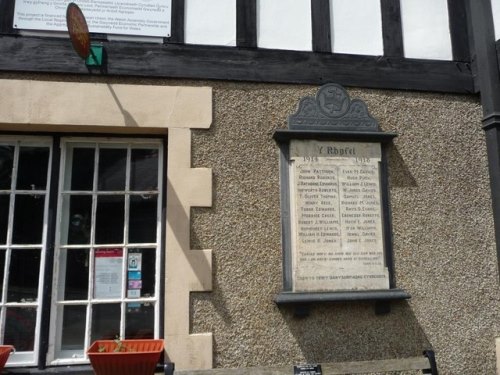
124, 17
337, 238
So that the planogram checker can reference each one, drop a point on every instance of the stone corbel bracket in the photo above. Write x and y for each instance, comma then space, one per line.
186, 270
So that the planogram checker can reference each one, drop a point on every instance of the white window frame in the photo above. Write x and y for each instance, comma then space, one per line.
55, 356
26, 358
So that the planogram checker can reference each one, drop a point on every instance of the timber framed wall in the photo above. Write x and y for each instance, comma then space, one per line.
247, 62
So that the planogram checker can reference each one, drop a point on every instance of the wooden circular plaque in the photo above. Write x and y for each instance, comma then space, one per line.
78, 30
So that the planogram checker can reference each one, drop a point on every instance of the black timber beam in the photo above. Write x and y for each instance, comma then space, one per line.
246, 23
7, 17
177, 22
321, 31
459, 30
392, 29
488, 81
29, 54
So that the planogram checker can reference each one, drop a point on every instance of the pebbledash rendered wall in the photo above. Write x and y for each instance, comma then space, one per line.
444, 247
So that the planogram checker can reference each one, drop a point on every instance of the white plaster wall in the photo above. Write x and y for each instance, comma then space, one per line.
495, 5
284, 24
426, 32
356, 27
210, 22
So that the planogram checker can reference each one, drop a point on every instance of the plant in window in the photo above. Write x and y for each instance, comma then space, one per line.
120, 346
125, 357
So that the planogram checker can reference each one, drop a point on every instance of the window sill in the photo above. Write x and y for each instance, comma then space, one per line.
75, 370
71, 370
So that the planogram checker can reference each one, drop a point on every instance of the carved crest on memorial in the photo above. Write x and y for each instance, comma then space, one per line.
332, 107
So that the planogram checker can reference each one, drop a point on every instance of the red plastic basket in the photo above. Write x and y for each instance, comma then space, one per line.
5, 351
138, 358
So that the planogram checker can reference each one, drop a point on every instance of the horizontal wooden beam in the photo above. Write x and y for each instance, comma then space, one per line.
31, 54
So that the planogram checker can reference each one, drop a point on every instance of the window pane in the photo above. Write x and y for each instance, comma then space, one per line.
6, 161
143, 270
4, 217
73, 330
28, 219
109, 219
144, 170
142, 220
77, 274
2, 272
23, 275
112, 163
20, 328
80, 212
82, 169
33, 166
105, 322
139, 321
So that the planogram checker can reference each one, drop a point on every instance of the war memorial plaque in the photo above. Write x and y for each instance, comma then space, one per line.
336, 230
336, 216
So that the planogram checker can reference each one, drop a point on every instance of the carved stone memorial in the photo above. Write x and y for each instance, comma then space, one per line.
336, 229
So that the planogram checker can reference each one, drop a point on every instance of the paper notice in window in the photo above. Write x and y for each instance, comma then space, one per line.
108, 273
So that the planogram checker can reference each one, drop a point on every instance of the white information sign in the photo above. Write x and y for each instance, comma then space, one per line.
337, 216
124, 17
108, 273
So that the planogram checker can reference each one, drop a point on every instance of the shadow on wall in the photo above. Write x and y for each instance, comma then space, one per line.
127, 117
399, 174
345, 332
180, 226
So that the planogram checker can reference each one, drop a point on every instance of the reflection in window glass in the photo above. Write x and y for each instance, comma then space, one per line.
6, 162
109, 219
23, 275
142, 219
82, 169
139, 321
112, 163
28, 219
144, 170
33, 167
80, 212
77, 274
105, 322
20, 328
73, 328
4, 217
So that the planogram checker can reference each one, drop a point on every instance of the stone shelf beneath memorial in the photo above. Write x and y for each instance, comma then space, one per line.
285, 297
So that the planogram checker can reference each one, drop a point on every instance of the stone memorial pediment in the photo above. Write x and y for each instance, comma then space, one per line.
332, 108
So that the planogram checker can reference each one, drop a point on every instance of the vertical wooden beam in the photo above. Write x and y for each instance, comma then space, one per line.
392, 29
488, 81
246, 23
459, 30
177, 23
7, 17
321, 29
